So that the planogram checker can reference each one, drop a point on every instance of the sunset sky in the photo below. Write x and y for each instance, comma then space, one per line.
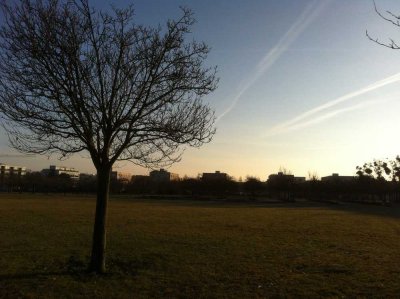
301, 87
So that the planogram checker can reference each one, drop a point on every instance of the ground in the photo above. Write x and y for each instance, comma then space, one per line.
189, 249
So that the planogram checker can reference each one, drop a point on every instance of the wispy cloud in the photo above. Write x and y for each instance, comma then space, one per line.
303, 120
312, 10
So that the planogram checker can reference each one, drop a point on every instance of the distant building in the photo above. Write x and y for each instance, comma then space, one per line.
280, 176
299, 179
8, 171
86, 176
163, 176
335, 177
214, 176
123, 177
54, 170
139, 177
8, 174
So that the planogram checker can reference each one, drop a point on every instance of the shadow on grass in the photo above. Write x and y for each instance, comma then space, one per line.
32, 275
392, 211
376, 209
75, 268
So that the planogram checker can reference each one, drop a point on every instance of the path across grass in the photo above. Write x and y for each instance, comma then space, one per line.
179, 249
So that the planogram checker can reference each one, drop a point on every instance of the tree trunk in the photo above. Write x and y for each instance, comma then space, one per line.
97, 262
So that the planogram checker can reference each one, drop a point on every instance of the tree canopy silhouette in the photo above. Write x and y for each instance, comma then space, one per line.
74, 79
381, 169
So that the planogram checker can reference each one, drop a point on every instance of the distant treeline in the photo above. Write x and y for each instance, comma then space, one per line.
364, 188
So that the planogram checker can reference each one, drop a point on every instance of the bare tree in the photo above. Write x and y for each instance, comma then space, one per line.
391, 18
74, 79
313, 176
285, 171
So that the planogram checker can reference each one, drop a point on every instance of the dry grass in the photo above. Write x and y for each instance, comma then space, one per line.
192, 249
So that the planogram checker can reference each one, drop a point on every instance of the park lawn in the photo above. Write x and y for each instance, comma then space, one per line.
179, 249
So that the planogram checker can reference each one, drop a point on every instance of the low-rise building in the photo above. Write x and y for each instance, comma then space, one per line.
335, 177
123, 177
86, 176
140, 177
8, 170
214, 176
163, 176
280, 176
299, 179
54, 170
9, 175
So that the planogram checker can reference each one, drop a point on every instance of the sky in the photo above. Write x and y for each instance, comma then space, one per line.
301, 87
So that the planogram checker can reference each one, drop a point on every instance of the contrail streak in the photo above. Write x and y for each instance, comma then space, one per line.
295, 122
329, 115
312, 10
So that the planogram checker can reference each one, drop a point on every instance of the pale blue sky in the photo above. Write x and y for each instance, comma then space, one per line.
280, 62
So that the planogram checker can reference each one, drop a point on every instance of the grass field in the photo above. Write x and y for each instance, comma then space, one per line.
178, 249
